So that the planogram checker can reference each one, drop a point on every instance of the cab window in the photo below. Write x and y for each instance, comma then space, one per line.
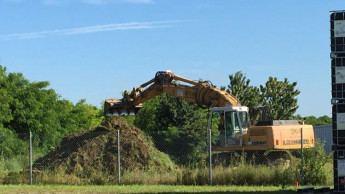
231, 124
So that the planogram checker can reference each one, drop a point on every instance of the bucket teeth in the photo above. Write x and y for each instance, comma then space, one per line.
118, 107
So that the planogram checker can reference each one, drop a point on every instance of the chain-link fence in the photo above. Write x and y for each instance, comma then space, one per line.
104, 156
15, 156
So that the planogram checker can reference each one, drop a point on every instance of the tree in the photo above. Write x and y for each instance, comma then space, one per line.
32, 106
5, 98
280, 97
312, 120
240, 87
323, 120
10, 144
176, 126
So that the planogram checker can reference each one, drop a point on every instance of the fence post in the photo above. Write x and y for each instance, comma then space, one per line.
30, 157
118, 157
210, 156
302, 171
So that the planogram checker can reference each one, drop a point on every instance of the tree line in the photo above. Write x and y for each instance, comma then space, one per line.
176, 126
33, 106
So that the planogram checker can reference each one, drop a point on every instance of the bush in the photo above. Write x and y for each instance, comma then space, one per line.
10, 144
317, 165
13, 152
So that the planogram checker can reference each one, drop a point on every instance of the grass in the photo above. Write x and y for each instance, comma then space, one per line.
143, 189
281, 173
240, 174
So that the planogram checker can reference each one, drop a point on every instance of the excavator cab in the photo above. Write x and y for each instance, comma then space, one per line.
233, 123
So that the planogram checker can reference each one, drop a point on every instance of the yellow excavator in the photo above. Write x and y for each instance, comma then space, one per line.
235, 131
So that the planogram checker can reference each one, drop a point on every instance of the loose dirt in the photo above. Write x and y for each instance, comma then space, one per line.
93, 150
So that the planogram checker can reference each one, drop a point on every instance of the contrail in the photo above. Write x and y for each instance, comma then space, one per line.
89, 29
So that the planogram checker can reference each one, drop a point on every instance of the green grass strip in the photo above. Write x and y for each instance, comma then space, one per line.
142, 189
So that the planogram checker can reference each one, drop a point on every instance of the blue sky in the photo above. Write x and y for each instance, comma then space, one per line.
94, 49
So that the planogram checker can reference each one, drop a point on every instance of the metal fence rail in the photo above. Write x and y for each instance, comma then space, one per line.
120, 154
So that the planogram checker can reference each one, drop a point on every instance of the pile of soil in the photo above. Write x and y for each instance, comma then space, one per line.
96, 150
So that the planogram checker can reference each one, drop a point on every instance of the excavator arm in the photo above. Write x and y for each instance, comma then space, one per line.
166, 82
235, 132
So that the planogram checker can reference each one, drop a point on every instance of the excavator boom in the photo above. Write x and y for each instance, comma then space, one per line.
235, 132
202, 93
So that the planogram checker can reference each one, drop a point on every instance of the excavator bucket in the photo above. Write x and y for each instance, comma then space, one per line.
119, 107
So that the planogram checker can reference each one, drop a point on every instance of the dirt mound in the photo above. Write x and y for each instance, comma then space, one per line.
96, 150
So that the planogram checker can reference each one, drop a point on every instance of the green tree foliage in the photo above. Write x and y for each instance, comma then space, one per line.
10, 144
312, 120
176, 126
240, 87
278, 96
323, 120
247, 94
5, 98
32, 106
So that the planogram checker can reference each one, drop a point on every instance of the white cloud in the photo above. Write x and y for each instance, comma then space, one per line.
89, 29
